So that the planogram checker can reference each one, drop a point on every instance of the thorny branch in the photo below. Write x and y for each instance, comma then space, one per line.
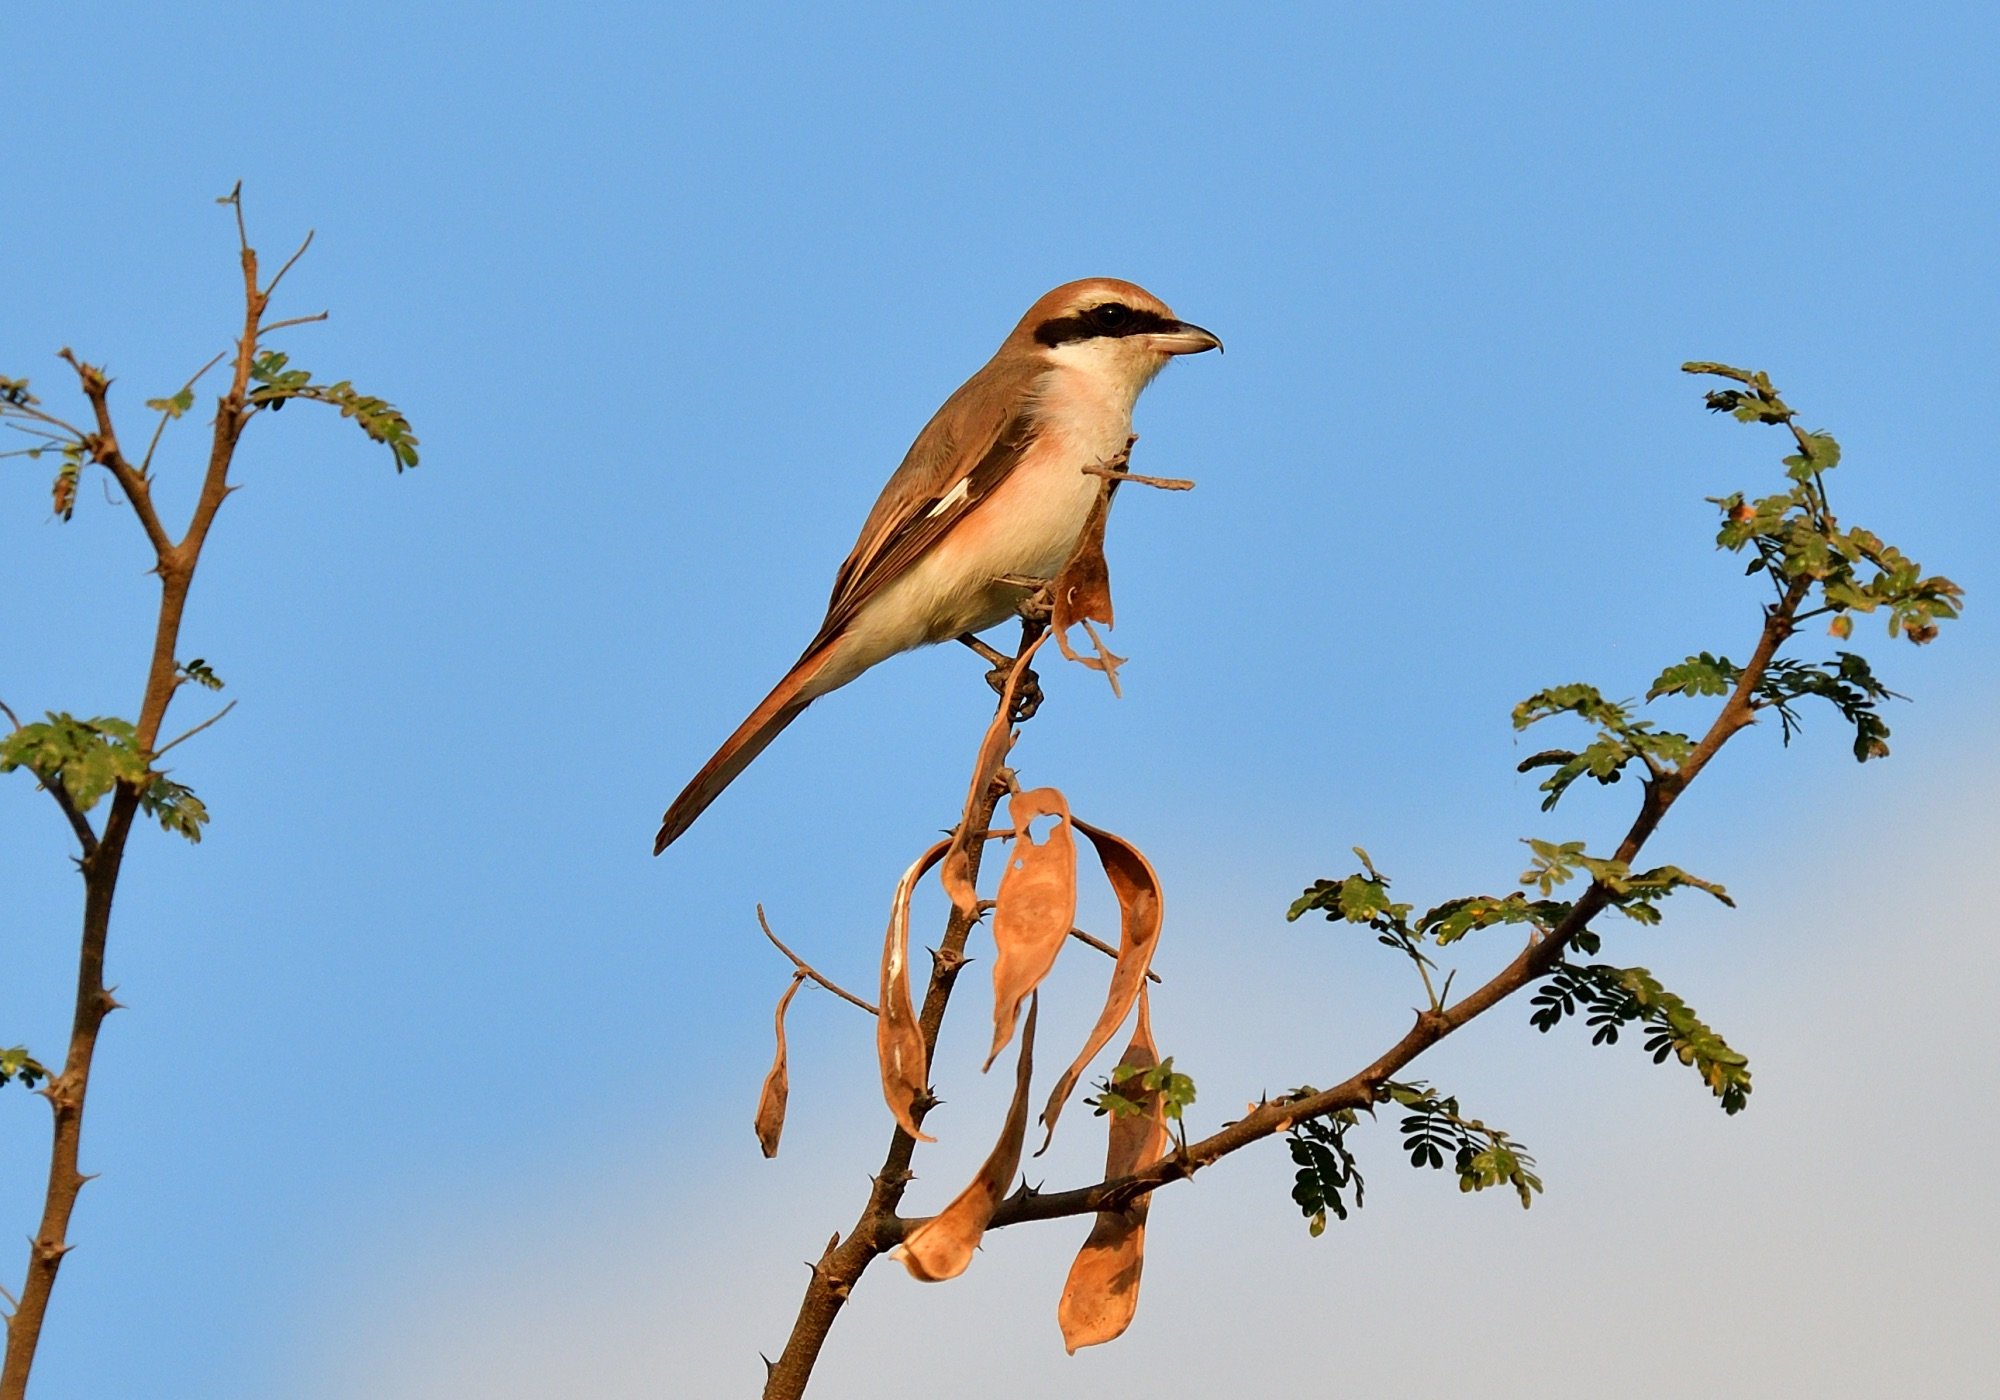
841, 1264
1361, 1089
881, 1228
103, 852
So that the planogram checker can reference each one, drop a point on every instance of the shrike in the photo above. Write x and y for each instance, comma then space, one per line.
993, 488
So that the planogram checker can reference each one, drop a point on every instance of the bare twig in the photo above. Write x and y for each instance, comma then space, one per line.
287, 268
1110, 952
146, 462
295, 321
43, 433
1164, 483
235, 199
42, 415
806, 969
196, 730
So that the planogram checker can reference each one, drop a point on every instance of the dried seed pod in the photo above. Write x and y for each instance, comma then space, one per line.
777, 1084
1083, 590
899, 1044
1035, 909
1141, 910
1102, 1292
942, 1246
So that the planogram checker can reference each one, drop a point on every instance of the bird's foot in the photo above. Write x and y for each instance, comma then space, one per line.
1027, 695
1027, 691
999, 660
1039, 604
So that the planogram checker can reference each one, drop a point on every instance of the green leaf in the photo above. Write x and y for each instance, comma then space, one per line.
1363, 898
201, 673
1327, 1169
1552, 864
175, 807
1847, 683
376, 417
1436, 1132
1578, 699
1455, 918
17, 1063
1698, 675
1825, 455
1614, 997
174, 407
87, 758
1174, 1091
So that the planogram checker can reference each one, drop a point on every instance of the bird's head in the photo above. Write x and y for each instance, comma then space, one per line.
1110, 329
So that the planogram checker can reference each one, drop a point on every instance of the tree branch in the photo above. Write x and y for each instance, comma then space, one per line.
806, 969
80, 824
841, 1264
85, 836
1361, 1090
103, 449
67, 1090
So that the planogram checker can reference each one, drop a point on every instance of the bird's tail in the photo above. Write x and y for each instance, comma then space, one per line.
783, 705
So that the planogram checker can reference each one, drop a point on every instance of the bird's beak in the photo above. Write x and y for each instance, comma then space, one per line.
1183, 339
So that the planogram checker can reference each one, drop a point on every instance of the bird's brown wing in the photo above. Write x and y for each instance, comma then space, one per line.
967, 449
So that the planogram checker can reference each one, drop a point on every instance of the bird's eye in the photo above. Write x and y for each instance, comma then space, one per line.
1111, 316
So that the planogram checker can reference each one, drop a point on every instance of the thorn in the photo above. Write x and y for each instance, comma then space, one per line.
769, 1365
833, 1243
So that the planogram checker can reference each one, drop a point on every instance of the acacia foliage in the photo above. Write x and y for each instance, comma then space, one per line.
1816, 567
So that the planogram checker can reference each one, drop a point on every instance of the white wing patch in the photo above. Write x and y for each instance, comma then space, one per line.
951, 497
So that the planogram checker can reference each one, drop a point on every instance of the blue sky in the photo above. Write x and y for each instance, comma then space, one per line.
435, 1083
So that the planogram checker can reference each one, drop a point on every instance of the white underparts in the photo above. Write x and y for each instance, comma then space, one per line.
1026, 527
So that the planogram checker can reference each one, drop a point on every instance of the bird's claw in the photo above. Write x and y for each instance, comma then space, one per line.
1027, 698
1027, 692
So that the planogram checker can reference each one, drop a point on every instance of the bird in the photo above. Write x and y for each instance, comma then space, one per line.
993, 491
